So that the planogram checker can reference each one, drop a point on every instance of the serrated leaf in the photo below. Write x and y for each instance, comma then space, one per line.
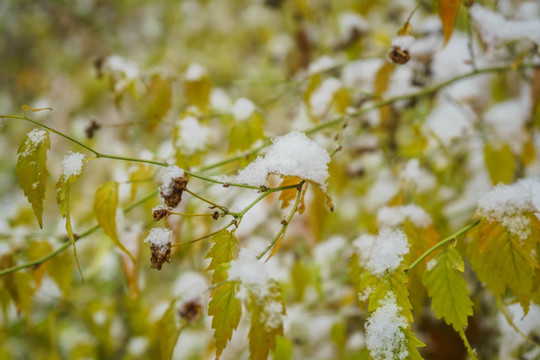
396, 282
501, 259
105, 206
244, 133
448, 290
31, 169
262, 338
412, 345
37, 250
160, 94
169, 330
222, 252
500, 163
62, 199
225, 310
448, 10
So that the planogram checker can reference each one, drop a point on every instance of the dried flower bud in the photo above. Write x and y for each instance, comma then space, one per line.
215, 215
399, 53
174, 183
91, 129
160, 212
191, 310
160, 246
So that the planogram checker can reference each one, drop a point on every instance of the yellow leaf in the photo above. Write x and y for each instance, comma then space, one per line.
223, 250
169, 330
31, 169
37, 250
276, 246
198, 92
60, 268
225, 309
500, 163
382, 77
105, 206
528, 154
286, 196
244, 133
448, 10
160, 94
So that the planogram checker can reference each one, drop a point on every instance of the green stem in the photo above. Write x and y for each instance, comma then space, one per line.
287, 221
441, 243
66, 245
203, 237
222, 208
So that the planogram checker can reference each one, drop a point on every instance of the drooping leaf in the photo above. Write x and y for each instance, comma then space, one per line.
105, 206
500, 163
19, 286
31, 169
448, 290
222, 252
502, 260
286, 196
37, 250
169, 331
62, 199
160, 94
448, 10
262, 335
382, 78
225, 310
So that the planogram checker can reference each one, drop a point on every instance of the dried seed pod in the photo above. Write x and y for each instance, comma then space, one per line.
171, 191
160, 212
399, 56
160, 255
191, 310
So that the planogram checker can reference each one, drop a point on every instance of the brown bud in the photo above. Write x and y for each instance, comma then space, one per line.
191, 310
92, 128
215, 215
160, 254
399, 56
160, 213
174, 195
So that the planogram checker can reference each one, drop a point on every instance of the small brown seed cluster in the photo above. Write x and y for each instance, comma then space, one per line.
160, 255
173, 197
191, 310
161, 212
399, 56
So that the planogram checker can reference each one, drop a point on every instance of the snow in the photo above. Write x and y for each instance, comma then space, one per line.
510, 340
192, 137
321, 64
72, 164
508, 204
170, 173
36, 137
388, 251
364, 245
190, 286
385, 338
351, 23
448, 122
321, 98
293, 154
361, 73
118, 65
396, 215
507, 121
495, 30
356, 341
273, 311
243, 109
251, 273
195, 72
219, 100
403, 42
160, 237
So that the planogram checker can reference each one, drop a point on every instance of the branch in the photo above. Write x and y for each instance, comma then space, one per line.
441, 243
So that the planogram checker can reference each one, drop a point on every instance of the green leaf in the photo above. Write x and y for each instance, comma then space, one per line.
169, 329
222, 251
197, 92
262, 338
301, 278
448, 290
501, 259
31, 169
225, 310
284, 349
62, 199
105, 206
397, 283
500, 163
25, 289
412, 345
